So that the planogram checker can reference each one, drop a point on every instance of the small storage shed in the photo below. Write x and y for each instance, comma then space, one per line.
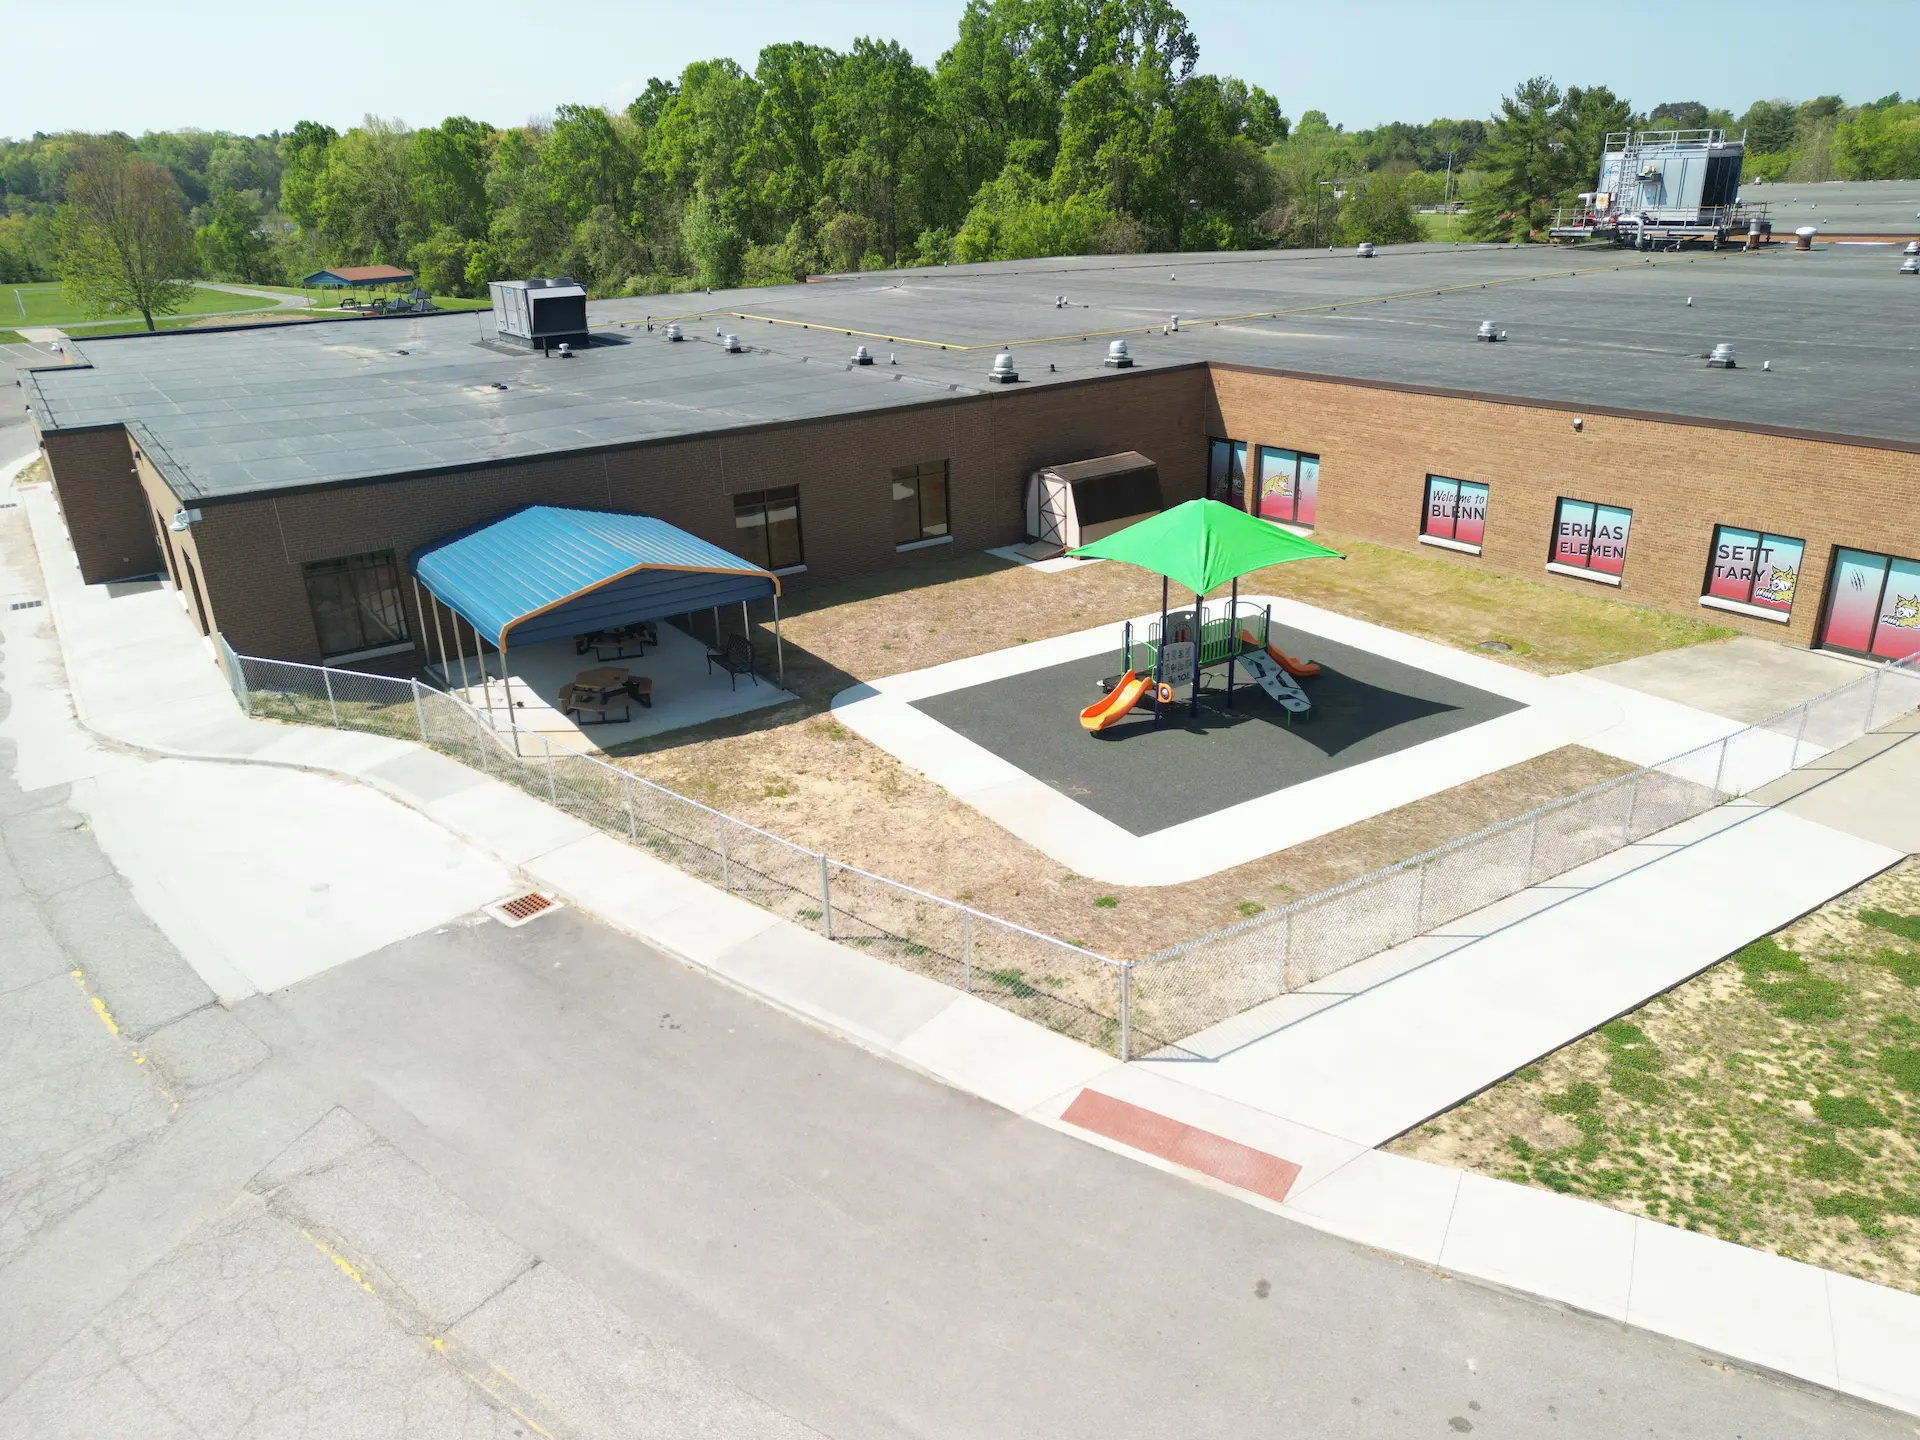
1079, 503
541, 314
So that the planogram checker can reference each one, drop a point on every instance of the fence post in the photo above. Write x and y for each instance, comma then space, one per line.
826, 897
726, 870
1125, 967
237, 677
1793, 760
1633, 799
1533, 839
1873, 699
633, 825
1286, 943
419, 710
1720, 770
553, 790
1420, 902
326, 676
966, 947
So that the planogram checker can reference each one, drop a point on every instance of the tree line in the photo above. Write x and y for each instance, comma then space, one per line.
1049, 127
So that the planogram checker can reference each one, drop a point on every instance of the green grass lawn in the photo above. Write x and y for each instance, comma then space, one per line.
1441, 227
48, 305
330, 299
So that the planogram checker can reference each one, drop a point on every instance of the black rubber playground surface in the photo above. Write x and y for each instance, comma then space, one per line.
1143, 780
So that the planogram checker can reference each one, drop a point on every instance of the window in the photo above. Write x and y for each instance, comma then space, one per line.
356, 603
767, 527
1590, 541
1289, 486
1873, 605
1227, 472
1753, 573
1454, 515
920, 503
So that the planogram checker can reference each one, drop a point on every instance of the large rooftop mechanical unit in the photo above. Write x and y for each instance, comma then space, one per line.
541, 314
1666, 185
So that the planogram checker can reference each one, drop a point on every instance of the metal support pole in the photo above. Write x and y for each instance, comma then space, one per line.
446, 675
716, 627
1633, 799
1160, 653
779, 654
420, 614
326, 677
553, 789
1420, 900
460, 652
1233, 636
826, 897
486, 681
966, 947
1533, 838
506, 684
633, 825
726, 870
1720, 770
1873, 698
1793, 761
1126, 1003
746, 625
419, 710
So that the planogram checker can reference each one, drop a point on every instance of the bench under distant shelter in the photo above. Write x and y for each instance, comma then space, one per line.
357, 277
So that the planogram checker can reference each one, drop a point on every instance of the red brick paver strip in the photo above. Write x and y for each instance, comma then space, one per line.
1238, 1165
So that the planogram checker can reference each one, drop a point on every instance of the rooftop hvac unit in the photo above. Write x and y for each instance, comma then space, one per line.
1077, 504
540, 314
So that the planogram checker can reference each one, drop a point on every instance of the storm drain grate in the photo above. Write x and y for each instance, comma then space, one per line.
26, 605
522, 908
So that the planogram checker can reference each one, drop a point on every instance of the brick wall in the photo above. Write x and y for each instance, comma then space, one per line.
93, 479
1377, 444
254, 549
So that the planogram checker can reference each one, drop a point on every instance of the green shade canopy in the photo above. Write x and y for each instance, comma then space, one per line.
1204, 544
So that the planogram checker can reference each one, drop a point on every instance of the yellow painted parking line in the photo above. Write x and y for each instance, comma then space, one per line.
1195, 323
106, 1018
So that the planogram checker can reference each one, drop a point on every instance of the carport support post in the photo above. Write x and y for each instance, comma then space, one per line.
1160, 653
506, 684
446, 675
420, 612
779, 655
486, 683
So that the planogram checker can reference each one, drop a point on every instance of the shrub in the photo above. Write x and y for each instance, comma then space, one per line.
1108, 902
1848, 1112
1829, 1161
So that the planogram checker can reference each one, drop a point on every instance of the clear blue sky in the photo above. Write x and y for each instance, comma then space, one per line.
251, 66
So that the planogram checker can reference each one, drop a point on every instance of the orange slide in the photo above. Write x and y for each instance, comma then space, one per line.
1299, 669
1125, 695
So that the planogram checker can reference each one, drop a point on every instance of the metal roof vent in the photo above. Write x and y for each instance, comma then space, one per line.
1803, 237
1059, 302
862, 355
673, 332
1003, 372
1174, 324
1722, 356
732, 344
1117, 356
1487, 331
1366, 249
1910, 265
566, 351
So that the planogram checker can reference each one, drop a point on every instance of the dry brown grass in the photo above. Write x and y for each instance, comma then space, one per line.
799, 773
35, 474
1773, 1100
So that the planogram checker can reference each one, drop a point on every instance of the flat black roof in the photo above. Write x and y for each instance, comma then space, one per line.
270, 408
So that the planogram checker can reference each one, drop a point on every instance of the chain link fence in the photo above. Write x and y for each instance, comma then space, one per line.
1200, 983
1127, 1008
1065, 987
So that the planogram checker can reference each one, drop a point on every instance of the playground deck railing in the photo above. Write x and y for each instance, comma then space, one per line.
1219, 636
1128, 1008
1194, 986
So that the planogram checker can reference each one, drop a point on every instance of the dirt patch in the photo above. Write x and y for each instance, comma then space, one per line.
1774, 1100
35, 474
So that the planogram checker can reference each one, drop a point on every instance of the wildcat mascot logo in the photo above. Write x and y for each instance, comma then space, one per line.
1777, 588
1905, 614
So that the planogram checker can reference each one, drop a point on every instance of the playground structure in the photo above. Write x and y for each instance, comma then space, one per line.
1224, 638
1203, 544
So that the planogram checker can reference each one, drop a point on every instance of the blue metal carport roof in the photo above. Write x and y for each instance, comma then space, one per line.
545, 573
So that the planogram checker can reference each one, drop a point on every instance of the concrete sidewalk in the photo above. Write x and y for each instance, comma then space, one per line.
140, 676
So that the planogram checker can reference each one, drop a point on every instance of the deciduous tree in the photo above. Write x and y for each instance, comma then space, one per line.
122, 235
